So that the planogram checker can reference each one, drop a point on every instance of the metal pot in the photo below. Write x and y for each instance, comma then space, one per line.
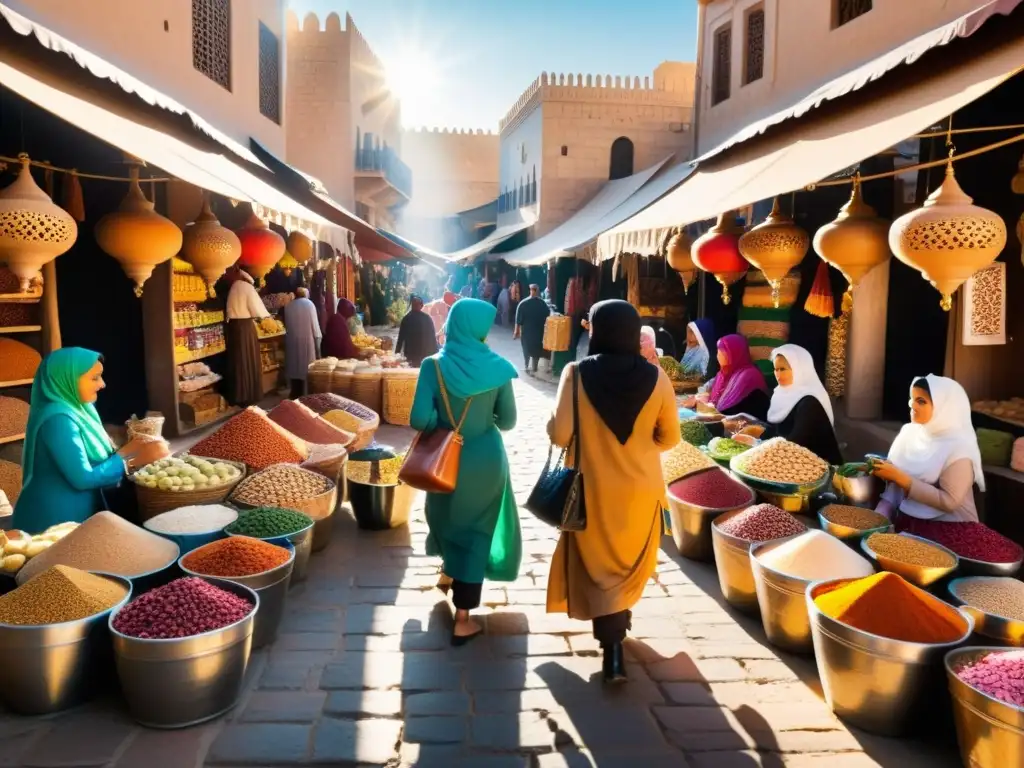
52, 667
380, 507
862, 491
691, 524
918, 575
184, 681
302, 541
782, 600
990, 732
998, 628
732, 560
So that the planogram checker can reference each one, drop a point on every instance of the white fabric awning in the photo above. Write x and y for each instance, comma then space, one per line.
497, 237
584, 225
821, 144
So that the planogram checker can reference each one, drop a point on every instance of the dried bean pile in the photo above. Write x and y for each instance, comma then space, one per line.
199, 518
999, 674
713, 489
909, 551
281, 485
1001, 596
235, 556
12, 315
183, 608
307, 425
761, 523
60, 594
13, 416
854, 517
976, 541
10, 480
269, 523
17, 361
253, 439
781, 461
682, 460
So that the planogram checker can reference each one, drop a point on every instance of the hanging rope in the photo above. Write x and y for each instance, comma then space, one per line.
80, 174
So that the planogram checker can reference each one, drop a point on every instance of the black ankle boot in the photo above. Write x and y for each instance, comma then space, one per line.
614, 664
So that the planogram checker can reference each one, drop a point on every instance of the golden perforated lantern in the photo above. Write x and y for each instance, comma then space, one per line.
717, 251
300, 247
262, 248
33, 229
948, 239
209, 247
775, 246
137, 236
677, 253
856, 242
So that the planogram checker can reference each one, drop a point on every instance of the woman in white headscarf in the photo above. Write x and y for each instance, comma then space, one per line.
934, 462
800, 410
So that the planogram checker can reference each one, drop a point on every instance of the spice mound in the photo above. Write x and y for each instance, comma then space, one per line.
854, 517
183, 608
307, 425
780, 461
269, 523
343, 413
726, 448
281, 486
694, 432
1000, 596
887, 605
236, 556
761, 523
189, 473
198, 518
713, 489
60, 594
909, 551
815, 555
251, 438
999, 674
683, 460
18, 362
975, 541
108, 544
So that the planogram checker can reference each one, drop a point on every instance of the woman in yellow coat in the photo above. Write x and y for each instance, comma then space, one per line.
628, 417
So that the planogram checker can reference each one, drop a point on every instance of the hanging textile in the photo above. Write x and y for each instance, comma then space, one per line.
835, 362
984, 307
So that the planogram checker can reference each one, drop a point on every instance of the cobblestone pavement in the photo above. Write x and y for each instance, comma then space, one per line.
363, 674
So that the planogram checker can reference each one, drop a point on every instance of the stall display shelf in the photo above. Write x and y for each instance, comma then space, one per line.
16, 383
197, 325
198, 354
20, 328
12, 438
186, 386
263, 337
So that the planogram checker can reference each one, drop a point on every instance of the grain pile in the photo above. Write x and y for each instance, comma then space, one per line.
12, 315
815, 555
60, 594
13, 417
910, 551
251, 438
854, 517
683, 460
234, 557
1000, 596
105, 543
780, 461
199, 518
18, 362
307, 425
281, 485
10, 480
343, 413
183, 608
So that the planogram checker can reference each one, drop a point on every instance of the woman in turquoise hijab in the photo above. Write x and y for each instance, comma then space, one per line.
475, 530
68, 457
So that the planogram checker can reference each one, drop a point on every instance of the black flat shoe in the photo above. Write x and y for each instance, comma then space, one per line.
615, 665
460, 640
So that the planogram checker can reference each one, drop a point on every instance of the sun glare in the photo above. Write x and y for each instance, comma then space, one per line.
413, 77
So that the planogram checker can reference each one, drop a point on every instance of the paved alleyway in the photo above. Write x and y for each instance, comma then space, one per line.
363, 675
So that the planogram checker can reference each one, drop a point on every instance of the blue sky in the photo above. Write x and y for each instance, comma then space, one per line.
463, 63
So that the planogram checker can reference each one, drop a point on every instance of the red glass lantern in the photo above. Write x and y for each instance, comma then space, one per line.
262, 248
717, 251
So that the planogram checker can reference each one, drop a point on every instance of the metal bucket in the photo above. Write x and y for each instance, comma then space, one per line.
184, 681
990, 732
875, 683
732, 559
691, 525
272, 587
783, 602
918, 575
861, 491
1000, 629
303, 543
380, 507
52, 667
322, 530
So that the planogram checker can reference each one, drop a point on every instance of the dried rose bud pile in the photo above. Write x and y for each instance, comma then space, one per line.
183, 608
999, 674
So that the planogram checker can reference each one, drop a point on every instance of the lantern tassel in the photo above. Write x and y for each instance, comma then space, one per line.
71, 196
820, 301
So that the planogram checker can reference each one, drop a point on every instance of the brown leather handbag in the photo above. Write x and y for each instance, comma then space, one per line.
432, 463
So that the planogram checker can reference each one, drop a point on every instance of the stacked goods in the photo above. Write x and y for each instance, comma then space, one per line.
251, 438
908, 551
269, 523
557, 333
368, 387
183, 608
976, 541
814, 555
998, 596
995, 447
269, 326
346, 415
1011, 410
712, 489
762, 523
683, 460
18, 362
694, 432
13, 418
724, 448
108, 544
854, 517
17, 547
60, 594
200, 518
888, 606
189, 473
318, 374
366, 342
305, 424
780, 461
1017, 455
999, 674
235, 557
282, 485
10, 480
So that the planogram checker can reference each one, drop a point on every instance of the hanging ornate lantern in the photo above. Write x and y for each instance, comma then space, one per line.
948, 239
677, 253
287, 263
300, 247
856, 242
717, 251
33, 229
209, 247
775, 246
137, 236
262, 248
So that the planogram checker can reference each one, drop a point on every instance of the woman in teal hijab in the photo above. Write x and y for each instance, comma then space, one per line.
68, 457
475, 529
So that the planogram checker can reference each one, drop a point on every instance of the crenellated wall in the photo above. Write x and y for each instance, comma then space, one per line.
454, 170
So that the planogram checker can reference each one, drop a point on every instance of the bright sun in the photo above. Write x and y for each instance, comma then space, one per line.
412, 77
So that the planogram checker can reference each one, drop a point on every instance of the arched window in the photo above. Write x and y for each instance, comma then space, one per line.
621, 164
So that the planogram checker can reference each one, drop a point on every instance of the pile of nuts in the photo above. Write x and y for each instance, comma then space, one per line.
281, 485
682, 460
781, 461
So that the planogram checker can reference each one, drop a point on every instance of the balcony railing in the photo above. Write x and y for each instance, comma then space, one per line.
374, 156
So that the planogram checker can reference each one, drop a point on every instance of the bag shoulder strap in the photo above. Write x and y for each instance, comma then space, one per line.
457, 426
576, 435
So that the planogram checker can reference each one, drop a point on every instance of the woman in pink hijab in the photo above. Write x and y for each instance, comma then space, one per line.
649, 345
739, 386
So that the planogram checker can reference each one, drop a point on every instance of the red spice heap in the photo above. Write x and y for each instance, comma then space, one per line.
253, 439
712, 488
183, 608
976, 541
762, 523
235, 556
306, 424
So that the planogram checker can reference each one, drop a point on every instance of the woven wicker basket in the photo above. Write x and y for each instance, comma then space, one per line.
367, 388
318, 377
399, 390
341, 382
557, 333
316, 507
153, 501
